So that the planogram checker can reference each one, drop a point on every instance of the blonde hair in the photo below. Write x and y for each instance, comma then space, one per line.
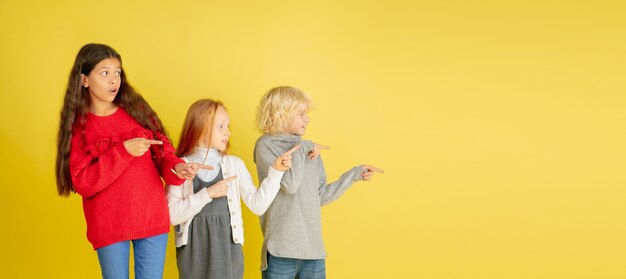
277, 106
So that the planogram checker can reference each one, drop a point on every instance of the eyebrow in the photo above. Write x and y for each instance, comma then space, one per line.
107, 67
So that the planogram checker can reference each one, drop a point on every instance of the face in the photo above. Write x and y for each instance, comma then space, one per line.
103, 82
220, 133
298, 122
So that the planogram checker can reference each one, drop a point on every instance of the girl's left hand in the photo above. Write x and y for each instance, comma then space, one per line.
189, 170
369, 172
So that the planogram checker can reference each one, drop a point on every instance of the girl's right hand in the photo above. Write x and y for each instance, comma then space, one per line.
283, 162
220, 188
138, 146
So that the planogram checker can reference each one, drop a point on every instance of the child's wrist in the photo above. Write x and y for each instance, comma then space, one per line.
307, 146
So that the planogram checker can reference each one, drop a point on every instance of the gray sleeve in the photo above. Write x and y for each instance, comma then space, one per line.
292, 178
331, 192
263, 157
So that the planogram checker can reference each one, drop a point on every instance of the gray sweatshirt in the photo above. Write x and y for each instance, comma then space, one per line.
292, 226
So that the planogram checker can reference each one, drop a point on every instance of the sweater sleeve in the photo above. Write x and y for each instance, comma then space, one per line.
91, 174
183, 203
165, 160
292, 178
331, 192
258, 200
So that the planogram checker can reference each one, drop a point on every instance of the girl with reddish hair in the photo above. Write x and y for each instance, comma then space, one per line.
206, 211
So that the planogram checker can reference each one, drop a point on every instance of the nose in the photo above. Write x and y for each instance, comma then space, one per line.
228, 132
306, 118
115, 79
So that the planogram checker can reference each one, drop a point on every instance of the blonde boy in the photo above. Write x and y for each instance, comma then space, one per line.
292, 230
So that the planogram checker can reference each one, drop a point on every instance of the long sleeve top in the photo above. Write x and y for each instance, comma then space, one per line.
184, 204
123, 196
292, 225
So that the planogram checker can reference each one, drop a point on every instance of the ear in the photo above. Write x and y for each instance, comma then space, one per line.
85, 80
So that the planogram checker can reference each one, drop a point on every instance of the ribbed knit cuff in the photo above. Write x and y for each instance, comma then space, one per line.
358, 170
203, 196
121, 150
274, 174
169, 172
307, 146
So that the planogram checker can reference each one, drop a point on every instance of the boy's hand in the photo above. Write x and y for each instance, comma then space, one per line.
369, 172
316, 150
283, 162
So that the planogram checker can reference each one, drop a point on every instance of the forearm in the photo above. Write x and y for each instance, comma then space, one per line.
258, 200
292, 179
166, 161
331, 192
89, 177
184, 206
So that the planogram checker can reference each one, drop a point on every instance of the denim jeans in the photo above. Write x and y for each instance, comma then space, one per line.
288, 268
149, 258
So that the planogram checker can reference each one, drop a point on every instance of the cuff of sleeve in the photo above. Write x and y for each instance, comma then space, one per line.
307, 146
169, 174
273, 175
358, 170
123, 152
203, 196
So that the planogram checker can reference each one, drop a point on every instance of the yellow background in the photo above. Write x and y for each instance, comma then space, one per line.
500, 124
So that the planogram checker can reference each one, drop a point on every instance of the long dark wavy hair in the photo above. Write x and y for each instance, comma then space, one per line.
76, 105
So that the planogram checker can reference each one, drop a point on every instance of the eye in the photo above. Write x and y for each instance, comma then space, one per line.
105, 73
118, 73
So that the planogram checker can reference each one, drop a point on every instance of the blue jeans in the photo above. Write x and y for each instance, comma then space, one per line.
149, 258
288, 268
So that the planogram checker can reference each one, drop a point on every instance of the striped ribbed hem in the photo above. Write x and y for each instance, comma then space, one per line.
131, 236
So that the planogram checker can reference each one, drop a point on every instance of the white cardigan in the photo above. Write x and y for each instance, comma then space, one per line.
184, 204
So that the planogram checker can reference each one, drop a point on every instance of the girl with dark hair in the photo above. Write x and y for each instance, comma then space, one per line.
112, 149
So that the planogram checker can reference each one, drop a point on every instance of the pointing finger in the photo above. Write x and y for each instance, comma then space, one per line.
293, 149
373, 169
199, 166
154, 142
319, 146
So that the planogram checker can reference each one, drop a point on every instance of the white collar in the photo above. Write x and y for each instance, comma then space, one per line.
211, 157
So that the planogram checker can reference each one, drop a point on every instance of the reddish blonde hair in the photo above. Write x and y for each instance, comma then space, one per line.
198, 122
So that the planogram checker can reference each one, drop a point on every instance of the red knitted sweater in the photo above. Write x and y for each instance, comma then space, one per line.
123, 196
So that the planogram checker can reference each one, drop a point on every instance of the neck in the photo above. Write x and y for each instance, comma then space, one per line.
102, 109
287, 134
211, 151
